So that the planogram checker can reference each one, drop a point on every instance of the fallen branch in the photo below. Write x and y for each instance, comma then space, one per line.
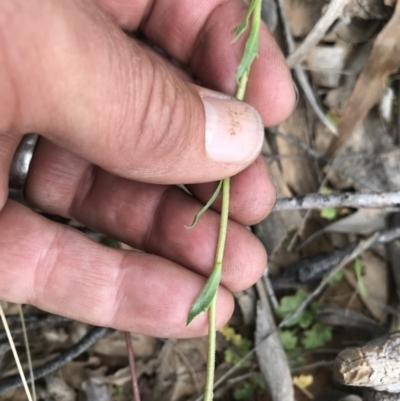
320, 158
374, 365
132, 366
361, 247
271, 356
13, 382
308, 270
301, 75
333, 11
345, 199
32, 322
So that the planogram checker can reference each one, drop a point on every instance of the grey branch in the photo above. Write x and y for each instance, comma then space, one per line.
361, 247
271, 356
374, 366
333, 11
346, 199
301, 75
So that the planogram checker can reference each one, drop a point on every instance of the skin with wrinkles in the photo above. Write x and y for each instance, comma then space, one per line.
119, 127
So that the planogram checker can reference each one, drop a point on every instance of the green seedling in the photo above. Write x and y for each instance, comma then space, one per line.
305, 331
207, 298
358, 269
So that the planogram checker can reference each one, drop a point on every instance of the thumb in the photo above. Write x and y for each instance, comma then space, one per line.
83, 84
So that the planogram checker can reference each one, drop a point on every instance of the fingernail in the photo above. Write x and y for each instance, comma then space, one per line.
234, 130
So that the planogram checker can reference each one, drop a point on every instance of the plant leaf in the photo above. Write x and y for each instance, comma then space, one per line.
360, 282
329, 213
206, 296
251, 48
246, 392
288, 339
317, 336
206, 206
244, 25
336, 278
289, 304
250, 53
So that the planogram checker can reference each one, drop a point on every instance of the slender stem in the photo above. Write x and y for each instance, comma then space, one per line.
212, 313
242, 86
132, 365
212, 337
212, 317
14, 351
28, 352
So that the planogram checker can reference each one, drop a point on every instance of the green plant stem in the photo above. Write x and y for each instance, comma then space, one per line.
242, 86
212, 317
212, 313
14, 351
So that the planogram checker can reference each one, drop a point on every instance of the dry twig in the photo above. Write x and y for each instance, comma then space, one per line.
346, 199
333, 11
361, 247
13, 382
374, 365
300, 74
320, 158
132, 366
277, 375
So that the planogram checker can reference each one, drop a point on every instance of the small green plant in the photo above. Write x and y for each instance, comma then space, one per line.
304, 331
328, 213
239, 346
333, 117
336, 278
248, 389
358, 269
207, 299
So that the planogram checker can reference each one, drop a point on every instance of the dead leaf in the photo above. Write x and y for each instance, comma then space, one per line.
247, 303
58, 389
326, 64
299, 173
302, 15
383, 61
375, 279
115, 345
367, 9
303, 381
96, 390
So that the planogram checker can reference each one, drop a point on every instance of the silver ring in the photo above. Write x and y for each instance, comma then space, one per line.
20, 164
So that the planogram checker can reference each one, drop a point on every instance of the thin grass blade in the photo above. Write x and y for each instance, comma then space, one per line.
206, 206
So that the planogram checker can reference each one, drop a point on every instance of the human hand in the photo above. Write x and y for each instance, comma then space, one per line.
119, 126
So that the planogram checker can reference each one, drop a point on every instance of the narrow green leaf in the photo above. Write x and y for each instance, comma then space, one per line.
360, 282
243, 26
251, 48
206, 296
206, 206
